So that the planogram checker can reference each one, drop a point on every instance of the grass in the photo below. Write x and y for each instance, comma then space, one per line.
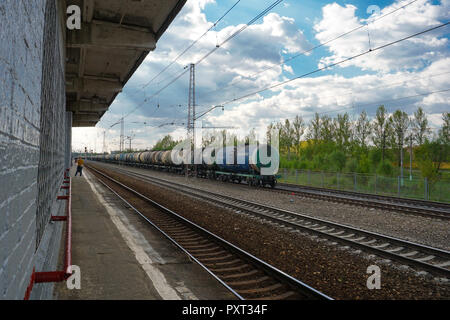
371, 183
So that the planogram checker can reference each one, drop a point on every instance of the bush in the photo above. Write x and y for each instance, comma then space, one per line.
364, 164
352, 165
303, 165
385, 168
427, 170
374, 157
337, 159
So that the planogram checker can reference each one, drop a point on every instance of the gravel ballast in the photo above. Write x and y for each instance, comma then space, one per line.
338, 271
424, 230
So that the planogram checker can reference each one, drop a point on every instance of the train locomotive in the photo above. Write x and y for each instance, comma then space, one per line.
231, 164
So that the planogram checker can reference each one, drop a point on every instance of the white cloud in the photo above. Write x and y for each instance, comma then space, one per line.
410, 54
263, 45
332, 94
257, 48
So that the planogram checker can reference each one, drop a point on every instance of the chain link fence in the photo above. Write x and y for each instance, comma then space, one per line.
370, 183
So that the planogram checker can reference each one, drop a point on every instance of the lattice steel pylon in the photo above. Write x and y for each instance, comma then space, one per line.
104, 141
191, 104
191, 109
122, 136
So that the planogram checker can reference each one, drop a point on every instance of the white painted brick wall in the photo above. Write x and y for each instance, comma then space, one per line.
21, 38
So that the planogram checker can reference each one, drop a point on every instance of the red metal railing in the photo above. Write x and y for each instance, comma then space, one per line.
61, 275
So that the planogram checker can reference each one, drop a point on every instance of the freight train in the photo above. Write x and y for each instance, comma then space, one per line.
232, 164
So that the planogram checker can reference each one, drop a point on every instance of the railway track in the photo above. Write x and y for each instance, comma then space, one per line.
410, 206
243, 274
424, 208
433, 260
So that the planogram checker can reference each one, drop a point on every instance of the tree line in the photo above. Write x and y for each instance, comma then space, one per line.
365, 145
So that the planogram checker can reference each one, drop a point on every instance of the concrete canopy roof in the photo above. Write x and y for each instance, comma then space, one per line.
115, 38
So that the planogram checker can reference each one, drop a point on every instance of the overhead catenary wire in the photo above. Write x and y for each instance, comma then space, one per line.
273, 5
192, 44
158, 92
269, 8
187, 49
388, 85
234, 34
350, 92
321, 69
384, 101
152, 96
310, 50
334, 64
378, 103
353, 106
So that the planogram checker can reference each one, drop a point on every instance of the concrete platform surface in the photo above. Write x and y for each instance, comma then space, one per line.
122, 257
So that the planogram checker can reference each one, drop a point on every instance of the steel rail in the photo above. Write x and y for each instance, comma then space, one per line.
405, 205
377, 243
424, 208
426, 203
299, 286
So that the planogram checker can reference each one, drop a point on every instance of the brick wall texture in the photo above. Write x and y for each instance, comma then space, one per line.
33, 133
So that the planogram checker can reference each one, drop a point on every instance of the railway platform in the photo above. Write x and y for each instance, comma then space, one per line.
122, 257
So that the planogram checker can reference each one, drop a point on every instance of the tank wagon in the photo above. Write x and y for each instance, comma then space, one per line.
232, 164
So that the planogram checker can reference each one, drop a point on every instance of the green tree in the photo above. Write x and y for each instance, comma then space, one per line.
314, 128
338, 159
444, 132
327, 130
382, 129
299, 129
385, 168
430, 156
400, 125
363, 130
286, 136
343, 130
166, 143
419, 125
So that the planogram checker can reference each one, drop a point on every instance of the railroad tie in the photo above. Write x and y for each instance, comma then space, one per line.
222, 263
427, 258
240, 275
444, 264
409, 254
369, 242
248, 282
242, 266
205, 250
261, 290
217, 258
282, 296
211, 254
395, 249
384, 245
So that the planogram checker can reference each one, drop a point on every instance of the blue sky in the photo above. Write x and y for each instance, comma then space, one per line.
413, 67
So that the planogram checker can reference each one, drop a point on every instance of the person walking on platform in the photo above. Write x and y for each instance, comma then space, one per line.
80, 163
